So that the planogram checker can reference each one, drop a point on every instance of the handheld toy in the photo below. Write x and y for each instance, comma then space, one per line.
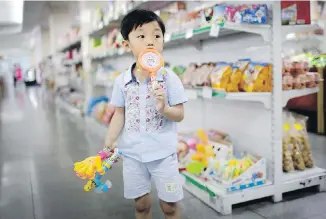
93, 168
152, 61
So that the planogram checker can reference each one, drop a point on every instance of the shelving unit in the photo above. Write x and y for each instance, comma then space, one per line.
254, 120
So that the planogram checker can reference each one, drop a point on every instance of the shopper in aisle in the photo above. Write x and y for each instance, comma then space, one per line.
145, 121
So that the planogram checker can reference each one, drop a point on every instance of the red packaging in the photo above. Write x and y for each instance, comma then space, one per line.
295, 12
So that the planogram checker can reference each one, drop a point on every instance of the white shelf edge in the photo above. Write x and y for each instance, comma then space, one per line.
287, 29
68, 107
305, 174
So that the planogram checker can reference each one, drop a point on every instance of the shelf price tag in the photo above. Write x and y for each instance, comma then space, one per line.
207, 92
215, 30
189, 33
167, 37
191, 93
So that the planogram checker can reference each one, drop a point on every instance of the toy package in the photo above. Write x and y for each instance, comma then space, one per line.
295, 12
220, 76
257, 78
213, 15
252, 14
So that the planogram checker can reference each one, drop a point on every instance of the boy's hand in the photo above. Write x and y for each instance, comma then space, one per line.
159, 95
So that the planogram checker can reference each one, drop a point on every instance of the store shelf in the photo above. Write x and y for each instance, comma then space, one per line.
219, 200
262, 97
288, 29
71, 45
68, 107
307, 173
290, 94
150, 5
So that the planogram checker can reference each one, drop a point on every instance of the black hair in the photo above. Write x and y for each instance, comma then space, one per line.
137, 18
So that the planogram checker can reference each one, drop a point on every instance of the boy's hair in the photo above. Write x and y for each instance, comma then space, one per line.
137, 18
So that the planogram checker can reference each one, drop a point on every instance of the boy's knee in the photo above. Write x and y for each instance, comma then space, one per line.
169, 208
143, 204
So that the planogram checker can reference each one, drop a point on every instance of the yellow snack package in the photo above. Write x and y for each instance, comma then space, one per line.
235, 79
220, 76
243, 65
256, 77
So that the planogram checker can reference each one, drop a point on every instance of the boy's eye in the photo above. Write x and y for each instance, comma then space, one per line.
157, 36
141, 36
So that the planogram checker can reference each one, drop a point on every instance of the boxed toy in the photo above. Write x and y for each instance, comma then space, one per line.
295, 12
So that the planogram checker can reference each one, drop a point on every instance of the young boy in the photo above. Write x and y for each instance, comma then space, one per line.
145, 121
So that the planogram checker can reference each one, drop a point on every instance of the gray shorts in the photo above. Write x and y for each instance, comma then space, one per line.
165, 174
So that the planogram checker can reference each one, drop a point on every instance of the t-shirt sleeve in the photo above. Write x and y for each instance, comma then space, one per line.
176, 92
117, 98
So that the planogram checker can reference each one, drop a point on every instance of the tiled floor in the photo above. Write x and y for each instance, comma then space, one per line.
38, 146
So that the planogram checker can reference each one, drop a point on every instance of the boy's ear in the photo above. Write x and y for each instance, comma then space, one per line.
126, 45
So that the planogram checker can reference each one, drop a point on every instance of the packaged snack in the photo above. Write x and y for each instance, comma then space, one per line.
218, 16
235, 79
220, 76
243, 65
189, 74
287, 81
288, 165
300, 81
303, 139
256, 77
295, 12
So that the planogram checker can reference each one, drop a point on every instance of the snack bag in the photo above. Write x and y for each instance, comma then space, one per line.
287, 81
288, 165
235, 79
303, 140
255, 77
243, 65
220, 77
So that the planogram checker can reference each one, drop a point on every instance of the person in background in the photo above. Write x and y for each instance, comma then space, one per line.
145, 121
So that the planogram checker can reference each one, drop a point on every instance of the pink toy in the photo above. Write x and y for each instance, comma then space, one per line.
192, 142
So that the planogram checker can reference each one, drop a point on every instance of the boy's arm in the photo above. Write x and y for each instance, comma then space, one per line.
115, 128
175, 113
118, 119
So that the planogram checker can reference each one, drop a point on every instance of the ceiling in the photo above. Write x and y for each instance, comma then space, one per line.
36, 13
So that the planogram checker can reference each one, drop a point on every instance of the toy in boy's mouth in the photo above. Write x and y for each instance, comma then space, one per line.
151, 61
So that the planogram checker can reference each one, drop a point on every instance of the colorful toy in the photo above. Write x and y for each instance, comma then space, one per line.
93, 168
152, 61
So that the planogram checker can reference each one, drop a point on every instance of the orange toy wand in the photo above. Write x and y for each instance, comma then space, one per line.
151, 61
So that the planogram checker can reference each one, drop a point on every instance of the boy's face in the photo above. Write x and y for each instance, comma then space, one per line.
146, 36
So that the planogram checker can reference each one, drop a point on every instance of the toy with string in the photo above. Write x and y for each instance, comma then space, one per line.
93, 168
151, 61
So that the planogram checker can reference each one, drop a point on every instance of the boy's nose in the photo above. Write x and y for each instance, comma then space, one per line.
150, 41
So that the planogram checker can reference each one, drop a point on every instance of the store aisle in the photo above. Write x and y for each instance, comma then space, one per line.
38, 146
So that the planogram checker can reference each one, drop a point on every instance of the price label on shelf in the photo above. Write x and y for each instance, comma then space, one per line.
207, 92
215, 30
167, 37
189, 33
191, 93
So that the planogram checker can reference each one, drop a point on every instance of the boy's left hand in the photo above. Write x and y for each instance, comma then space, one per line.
159, 95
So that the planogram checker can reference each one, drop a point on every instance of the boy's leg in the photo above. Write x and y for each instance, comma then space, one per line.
137, 186
166, 176
171, 210
143, 207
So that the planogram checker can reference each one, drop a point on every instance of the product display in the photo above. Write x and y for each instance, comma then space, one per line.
296, 76
71, 96
296, 147
241, 76
209, 156
295, 12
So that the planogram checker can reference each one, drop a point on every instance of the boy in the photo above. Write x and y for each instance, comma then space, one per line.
147, 119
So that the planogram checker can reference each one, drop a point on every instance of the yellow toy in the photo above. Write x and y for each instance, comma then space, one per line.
87, 168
